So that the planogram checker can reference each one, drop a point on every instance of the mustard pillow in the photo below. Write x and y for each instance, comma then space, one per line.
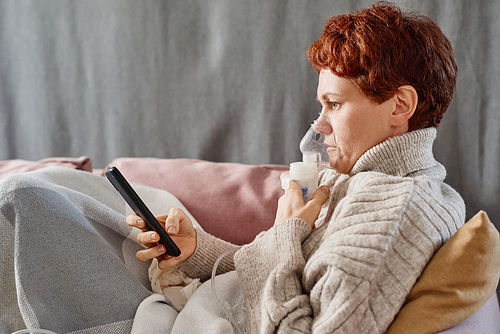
457, 282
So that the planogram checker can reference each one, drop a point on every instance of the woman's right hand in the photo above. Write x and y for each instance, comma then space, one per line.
178, 226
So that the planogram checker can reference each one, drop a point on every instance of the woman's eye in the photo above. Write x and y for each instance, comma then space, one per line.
330, 105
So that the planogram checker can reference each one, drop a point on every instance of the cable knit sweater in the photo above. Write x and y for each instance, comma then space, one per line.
373, 238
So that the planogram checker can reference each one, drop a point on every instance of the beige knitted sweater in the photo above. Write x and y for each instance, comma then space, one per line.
374, 236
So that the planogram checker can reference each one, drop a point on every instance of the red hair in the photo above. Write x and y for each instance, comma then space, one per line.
381, 49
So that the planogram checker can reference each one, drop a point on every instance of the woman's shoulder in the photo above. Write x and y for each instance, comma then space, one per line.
430, 204
436, 208
425, 193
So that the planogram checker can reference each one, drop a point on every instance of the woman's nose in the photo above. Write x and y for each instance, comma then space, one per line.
322, 125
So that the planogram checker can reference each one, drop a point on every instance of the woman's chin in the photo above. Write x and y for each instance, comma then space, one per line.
334, 166
340, 167
333, 153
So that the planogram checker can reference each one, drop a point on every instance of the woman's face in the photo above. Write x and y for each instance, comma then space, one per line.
357, 123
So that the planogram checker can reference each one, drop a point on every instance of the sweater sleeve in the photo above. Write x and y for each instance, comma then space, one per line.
330, 291
270, 271
208, 249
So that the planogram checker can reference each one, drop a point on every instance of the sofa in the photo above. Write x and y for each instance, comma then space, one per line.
454, 295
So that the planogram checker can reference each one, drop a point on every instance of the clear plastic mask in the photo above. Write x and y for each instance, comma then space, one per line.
314, 149
315, 157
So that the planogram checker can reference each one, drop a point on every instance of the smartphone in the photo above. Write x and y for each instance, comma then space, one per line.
135, 202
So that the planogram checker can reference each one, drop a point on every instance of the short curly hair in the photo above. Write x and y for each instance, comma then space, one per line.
381, 49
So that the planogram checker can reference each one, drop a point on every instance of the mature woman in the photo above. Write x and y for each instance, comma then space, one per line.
344, 261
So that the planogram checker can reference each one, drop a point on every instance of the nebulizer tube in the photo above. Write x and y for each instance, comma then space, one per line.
315, 157
227, 313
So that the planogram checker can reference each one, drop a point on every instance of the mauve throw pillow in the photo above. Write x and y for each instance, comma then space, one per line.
231, 201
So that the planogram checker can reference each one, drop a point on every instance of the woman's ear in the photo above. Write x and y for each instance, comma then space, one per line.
406, 103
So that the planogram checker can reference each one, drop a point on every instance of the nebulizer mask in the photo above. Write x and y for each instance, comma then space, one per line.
315, 157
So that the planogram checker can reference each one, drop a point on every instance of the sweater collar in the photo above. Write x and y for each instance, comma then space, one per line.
399, 155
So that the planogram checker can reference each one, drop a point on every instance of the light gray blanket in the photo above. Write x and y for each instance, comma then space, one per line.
67, 261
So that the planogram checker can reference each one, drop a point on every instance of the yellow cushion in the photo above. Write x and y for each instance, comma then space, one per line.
458, 280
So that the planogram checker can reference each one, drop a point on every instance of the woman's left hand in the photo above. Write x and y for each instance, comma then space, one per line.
291, 204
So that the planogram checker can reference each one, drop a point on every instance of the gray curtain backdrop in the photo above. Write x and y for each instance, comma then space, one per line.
217, 80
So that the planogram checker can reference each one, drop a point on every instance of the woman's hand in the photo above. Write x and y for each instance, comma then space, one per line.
291, 204
178, 226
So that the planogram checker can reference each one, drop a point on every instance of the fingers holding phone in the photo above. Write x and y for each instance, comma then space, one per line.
179, 227
139, 207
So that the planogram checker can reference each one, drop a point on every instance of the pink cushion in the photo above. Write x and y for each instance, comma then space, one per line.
231, 201
9, 167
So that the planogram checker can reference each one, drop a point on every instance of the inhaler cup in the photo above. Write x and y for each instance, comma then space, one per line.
305, 175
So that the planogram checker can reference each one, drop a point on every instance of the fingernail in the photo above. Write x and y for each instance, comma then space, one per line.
160, 249
325, 189
171, 229
152, 235
140, 222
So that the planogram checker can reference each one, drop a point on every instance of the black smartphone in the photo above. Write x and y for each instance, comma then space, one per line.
140, 209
